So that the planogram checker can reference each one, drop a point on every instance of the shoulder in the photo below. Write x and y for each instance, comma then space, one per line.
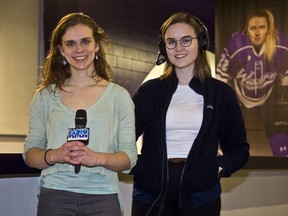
219, 87
117, 88
118, 91
152, 84
282, 42
238, 41
150, 90
120, 97
46, 93
239, 37
282, 39
44, 100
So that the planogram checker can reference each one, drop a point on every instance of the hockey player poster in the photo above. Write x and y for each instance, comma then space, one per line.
251, 47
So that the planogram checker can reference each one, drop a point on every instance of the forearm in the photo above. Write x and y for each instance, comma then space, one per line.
117, 162
35, 158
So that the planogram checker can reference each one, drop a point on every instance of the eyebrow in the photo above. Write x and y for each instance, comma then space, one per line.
85, 38
181, 37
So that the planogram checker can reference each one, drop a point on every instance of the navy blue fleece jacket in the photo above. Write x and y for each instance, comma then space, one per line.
222, 125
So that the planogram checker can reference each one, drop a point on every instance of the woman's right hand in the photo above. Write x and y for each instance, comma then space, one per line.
67, 153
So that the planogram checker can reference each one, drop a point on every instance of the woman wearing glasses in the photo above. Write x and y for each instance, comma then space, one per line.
184, 116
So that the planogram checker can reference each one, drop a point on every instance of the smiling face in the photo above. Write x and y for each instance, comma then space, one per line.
257, 30
181, 56
79, 47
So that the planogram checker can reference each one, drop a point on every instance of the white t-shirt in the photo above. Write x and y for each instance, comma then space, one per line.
183, 121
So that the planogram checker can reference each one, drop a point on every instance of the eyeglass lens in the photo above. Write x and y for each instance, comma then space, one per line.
184, 41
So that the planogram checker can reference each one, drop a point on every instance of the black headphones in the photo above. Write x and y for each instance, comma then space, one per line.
203, 39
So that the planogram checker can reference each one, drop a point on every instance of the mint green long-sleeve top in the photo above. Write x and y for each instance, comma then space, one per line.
111, 121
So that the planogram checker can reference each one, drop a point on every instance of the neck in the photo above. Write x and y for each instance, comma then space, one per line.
184, 78
185, 74
81, 80
183, 83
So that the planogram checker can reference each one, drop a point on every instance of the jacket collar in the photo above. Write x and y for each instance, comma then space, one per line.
195, 84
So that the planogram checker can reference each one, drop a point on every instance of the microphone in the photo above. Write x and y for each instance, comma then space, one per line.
160, 59
80, 132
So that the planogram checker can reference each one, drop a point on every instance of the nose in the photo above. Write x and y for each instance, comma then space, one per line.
178, 45
257, 32
79, 47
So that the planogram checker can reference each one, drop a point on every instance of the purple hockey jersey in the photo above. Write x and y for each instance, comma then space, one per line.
249, 73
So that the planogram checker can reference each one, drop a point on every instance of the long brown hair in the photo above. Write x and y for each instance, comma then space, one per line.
54, 71
202, 68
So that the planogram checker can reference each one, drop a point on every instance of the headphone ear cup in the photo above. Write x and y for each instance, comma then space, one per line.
162, 47
203, 41
162, 55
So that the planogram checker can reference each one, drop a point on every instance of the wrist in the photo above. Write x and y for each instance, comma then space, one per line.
46, 157
220, 172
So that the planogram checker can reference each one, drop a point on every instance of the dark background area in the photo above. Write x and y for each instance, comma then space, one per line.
145, 16
132, 27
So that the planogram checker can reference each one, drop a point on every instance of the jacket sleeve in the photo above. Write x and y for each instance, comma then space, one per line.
232, 136
139, 112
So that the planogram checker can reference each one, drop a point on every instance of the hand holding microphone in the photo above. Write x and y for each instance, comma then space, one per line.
80, 132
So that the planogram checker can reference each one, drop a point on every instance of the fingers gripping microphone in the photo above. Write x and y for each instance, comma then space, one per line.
80, 132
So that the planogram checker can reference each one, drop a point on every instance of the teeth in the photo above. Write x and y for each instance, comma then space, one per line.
80, 57
180, 56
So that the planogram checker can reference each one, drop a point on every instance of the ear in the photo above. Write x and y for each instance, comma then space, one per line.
97, 47
61, 50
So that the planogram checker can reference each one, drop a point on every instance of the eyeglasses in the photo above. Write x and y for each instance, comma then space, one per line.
185, 41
